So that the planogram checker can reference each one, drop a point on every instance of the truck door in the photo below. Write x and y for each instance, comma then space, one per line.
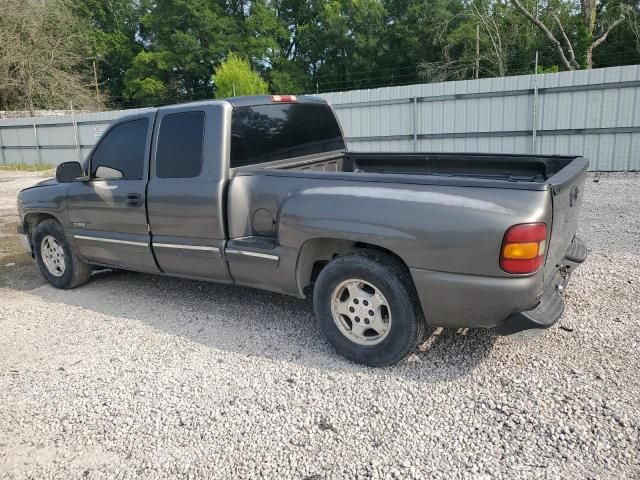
186, 190
107, 212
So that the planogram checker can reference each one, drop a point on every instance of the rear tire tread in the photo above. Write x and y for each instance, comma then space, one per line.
380, 269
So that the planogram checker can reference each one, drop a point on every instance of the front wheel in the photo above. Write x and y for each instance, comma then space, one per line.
57, 262
367, 308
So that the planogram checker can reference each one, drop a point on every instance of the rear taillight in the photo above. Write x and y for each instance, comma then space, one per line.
523, 248
283, 98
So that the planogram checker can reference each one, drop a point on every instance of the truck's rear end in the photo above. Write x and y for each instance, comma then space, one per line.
564, 250
487, 238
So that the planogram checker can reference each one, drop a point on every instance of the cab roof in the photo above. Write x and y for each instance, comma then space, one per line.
269, 99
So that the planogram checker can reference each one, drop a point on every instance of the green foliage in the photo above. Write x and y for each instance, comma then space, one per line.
113, 40
152, 52
144, 80
234, 77
549, 69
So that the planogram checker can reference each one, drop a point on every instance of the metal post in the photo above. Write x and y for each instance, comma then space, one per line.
35, 136
75, 132
535, 107
477, 72
95, 80
4, 160
415, 124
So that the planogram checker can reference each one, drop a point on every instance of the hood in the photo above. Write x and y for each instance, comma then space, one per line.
44, 183
48, 181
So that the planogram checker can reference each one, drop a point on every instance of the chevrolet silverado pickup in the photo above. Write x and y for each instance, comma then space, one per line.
262, 192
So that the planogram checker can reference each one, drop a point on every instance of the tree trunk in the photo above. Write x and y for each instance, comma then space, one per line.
600, 40
554, 41
588, 8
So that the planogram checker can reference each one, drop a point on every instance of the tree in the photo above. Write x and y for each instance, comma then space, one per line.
113, 39
480, 25
43, 56
184, 40
234, 77
154, 52
606, 20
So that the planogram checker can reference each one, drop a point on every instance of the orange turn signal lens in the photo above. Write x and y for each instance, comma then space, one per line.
521, 251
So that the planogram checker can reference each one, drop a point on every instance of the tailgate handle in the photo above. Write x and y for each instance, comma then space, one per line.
573, 195
134, 199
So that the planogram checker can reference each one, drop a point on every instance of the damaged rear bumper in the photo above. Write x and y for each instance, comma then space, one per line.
551, 306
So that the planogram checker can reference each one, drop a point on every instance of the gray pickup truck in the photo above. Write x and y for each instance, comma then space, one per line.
262, 192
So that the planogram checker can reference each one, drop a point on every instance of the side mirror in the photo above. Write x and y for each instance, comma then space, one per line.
108, 173
68, 172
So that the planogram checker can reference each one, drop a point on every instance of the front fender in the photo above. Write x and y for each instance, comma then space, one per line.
49, 200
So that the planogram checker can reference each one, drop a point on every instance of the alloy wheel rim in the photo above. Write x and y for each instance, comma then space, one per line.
361, 312
52, 255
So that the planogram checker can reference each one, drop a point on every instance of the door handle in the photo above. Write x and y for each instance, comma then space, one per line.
134, 199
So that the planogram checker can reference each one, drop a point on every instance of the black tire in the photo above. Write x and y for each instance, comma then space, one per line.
76, 272
394, 282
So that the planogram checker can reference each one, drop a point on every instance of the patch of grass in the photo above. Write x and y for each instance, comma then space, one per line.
28, 167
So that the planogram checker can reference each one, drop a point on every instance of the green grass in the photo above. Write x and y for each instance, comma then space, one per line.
27, 167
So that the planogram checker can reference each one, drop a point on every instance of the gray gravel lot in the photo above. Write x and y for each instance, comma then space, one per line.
136, 376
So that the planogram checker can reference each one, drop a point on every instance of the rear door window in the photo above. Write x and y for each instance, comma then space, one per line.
179, 153
123, 149
265, 133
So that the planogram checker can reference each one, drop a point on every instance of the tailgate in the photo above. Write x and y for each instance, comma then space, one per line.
567, 192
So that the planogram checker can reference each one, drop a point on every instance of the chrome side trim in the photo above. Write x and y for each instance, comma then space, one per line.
106, 187
111, 240
252, 254
186, 247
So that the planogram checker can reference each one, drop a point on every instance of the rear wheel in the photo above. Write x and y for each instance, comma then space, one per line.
367, 308
56, 260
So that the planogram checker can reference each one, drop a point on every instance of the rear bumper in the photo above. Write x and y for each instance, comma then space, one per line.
551, 306
506, 304
455, 300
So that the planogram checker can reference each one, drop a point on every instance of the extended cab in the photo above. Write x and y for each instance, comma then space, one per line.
262, 192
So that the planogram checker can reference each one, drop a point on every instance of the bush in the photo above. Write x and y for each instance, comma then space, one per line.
235, 77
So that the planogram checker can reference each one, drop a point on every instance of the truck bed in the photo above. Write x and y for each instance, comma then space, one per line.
512, 168
527, 172
562, 176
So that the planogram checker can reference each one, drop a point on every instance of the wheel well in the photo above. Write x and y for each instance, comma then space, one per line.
315, 254
31, 220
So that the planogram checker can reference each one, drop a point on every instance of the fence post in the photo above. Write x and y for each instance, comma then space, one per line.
4, 160
535, 107
35, 136
415, 124
75, 133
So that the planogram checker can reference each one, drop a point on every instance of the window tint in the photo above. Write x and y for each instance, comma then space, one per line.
123, 149
264, 133
179, 153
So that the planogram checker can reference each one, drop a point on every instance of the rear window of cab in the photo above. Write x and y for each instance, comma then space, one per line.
265, 133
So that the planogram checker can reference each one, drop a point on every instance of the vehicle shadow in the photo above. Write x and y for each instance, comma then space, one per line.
252, 322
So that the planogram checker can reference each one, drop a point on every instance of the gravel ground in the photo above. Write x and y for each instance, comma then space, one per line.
140, 376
